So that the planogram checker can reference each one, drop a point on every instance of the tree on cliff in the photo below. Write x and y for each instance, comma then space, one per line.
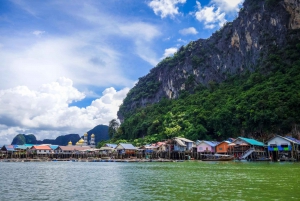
113, 128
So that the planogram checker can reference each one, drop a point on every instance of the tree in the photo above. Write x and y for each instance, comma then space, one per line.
113, 128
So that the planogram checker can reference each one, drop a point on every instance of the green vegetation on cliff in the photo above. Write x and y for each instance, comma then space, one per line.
256, 104
21, 139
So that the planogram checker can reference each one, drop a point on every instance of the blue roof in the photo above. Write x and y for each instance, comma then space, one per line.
252, 141
293, 139
29, 145
20, 147
9, 147
53, 146
211, 143
127, 146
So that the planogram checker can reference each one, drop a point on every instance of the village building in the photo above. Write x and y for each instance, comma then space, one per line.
246, 148
206, 146
179, 144
70, 149
222, 148
40, 149
126, 149
283, 148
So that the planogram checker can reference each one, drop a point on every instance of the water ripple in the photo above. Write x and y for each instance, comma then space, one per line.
149, 181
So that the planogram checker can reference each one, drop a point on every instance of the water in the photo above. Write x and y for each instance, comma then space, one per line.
149, 181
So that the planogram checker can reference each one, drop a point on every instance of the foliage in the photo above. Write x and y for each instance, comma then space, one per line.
253, 104
21, 139
113, 128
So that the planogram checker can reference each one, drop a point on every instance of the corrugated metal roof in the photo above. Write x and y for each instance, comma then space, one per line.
21, 147
111, 145
73, 148
8, 147
106, 149
252, 141
179, 142
41, 147
184, 139
211, 143
127, 146
293, 139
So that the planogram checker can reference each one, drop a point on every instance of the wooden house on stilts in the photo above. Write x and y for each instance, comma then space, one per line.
284, 148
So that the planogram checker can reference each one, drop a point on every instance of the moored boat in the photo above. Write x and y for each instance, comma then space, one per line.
218, 157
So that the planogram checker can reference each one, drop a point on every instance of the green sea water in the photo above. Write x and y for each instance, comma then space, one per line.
190, 180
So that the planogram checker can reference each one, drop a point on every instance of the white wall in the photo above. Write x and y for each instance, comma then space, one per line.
278, 141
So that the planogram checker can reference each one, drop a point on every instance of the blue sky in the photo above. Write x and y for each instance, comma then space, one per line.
66, 66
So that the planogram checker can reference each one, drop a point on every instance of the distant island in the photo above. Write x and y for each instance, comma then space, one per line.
100, 132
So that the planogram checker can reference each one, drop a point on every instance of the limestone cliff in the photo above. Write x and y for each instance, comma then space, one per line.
239, 46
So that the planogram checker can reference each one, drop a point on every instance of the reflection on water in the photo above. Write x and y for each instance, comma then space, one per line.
150, 181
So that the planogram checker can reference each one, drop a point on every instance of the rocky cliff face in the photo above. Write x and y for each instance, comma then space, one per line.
239, 46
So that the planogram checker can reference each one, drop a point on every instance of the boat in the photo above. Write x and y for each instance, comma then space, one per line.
218, 157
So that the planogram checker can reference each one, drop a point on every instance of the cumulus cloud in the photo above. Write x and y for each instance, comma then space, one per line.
187, 31
211, 16
92, 53
169, 52
38, 33
73, 57
47, 110
165, 7
228, 5
214, 14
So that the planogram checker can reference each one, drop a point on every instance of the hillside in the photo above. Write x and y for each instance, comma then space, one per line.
243, 80
61, 140
100, 131
21, 139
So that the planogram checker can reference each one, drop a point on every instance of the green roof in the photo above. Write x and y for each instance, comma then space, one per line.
252, 141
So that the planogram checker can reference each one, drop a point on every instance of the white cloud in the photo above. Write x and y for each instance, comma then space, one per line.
38, 33
92, 53
81, 58
165, 7
181, 41
46, 111
142, 34
228, 5
187, 31
169, 52
211, 16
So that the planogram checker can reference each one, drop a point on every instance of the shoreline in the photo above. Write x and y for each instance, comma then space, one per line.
89, 160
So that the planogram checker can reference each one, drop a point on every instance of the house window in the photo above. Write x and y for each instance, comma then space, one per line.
284, 145
220, 148
200, 148
39, 150
273, 145
44, 150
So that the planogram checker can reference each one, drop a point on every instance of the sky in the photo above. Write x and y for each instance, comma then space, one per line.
66, 66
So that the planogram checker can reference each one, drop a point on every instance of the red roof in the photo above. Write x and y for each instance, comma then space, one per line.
41, 147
